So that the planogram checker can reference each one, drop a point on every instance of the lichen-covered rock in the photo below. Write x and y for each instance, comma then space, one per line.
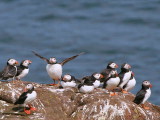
68, 104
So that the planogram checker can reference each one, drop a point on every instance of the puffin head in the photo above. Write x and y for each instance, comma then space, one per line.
126, 66
53, 60
26, 63
12, 62
67, 77
97, 76
29, 87
146, 83
112, 65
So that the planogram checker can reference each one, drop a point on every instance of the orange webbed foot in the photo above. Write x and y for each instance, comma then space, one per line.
27, 112
124, 91
146, 108
33, 108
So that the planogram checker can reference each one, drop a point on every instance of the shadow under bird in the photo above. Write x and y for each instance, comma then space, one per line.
23, 69
26, 98
53, 68
10, 70
143, 95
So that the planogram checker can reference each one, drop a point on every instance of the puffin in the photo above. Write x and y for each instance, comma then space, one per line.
86, 87
130, 84
26, 98
23, 69
10, 70
111, 66
53, 68
143, 95
68, 81
95, 78
124, 75
111, 83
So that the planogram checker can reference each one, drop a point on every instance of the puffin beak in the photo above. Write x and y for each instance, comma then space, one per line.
101, 76
16, 62
29, 61
116, 66
25, 90
129, 66
150, 85
64, 78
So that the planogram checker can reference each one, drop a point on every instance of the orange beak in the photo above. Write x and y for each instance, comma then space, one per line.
150, 85
25, 90
101, 76
64, 78
116, 66
129, 66
29, 61
16, 62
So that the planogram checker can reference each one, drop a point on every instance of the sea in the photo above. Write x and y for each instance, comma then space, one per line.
106, 30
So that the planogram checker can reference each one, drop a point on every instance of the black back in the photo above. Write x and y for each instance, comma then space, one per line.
140, 95
23, 97
86, 82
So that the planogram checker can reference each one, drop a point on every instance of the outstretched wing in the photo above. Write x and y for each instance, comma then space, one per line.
71, 58
43, 58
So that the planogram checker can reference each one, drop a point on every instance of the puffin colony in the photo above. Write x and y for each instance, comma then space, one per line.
108, 79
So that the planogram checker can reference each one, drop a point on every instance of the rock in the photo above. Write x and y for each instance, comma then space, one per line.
68, 104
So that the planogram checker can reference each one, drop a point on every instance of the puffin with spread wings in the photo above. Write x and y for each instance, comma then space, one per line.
53, 68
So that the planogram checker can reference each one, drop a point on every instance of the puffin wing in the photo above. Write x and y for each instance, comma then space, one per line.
9, 71
19, 70
43, 58
139, 97
21, 99
121, 77
70, 58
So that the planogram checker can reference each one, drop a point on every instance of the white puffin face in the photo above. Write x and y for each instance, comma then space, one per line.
113, 65
12, 62
127, 66
26, 63
29, 86
97, 75
67, 77
52, 60
147, 83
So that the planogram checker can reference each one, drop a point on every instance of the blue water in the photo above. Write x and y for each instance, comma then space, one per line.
120, 31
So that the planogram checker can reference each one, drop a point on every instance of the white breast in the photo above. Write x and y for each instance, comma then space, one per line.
30, 97
86, 89
96, 84
112, 83
24, 73
68, 84
126, 78
130, 85
147, 95
54, 71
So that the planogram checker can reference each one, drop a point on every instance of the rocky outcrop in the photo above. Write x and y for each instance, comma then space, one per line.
68, 104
